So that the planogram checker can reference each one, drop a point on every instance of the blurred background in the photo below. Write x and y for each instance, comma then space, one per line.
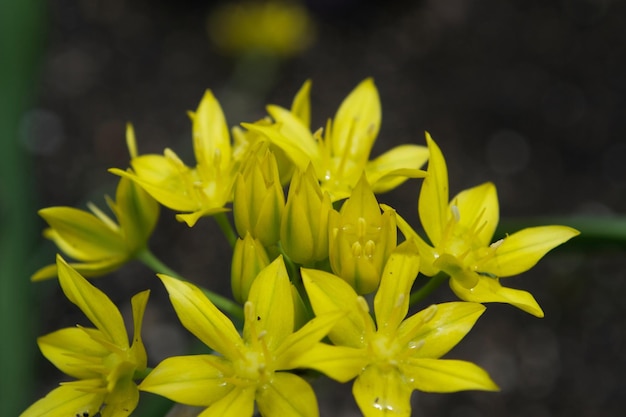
528, 94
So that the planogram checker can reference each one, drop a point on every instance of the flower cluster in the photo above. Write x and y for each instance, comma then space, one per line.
321, 279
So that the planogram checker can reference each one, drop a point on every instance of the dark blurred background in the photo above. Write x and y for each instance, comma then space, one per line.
529, 94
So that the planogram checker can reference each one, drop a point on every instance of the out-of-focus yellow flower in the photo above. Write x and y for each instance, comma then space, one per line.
393, 355
361, 239
203, 190
304, 227
341, 153
461, 231
249, 368
249, 258
101, 359
259, 200
99, 244
275, 28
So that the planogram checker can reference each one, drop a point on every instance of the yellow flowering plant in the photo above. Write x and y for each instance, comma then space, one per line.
323, 285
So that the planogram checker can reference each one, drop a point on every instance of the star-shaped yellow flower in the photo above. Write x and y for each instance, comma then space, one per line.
99, 244
102, 360
247, 369
341, 154
200, 191
392, 356
461, 231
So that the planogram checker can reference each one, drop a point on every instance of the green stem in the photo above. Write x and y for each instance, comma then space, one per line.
228, 306
431, 285
227, 228
21, 41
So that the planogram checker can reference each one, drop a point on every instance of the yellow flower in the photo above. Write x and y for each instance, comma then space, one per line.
248, 368
461, 231
304, 226
275, 28
200, 191
392, 355
259, 199
95, 240
101, 359
341, 154
361, 239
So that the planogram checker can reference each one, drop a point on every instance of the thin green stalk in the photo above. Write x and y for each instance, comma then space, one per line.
431, 285
228, 306
227, 228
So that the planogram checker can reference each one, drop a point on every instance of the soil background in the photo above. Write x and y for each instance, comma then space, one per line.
528, 94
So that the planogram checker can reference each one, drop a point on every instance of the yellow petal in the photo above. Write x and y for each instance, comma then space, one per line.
81, 235
301, 106
478, 210
382, 393
489, 290
433, 199
427, 253
122, 401
137, 213
73, 352
198, 314
139, 302
287, 395
237, 403
192, 218
301, 151
520, 251
357, 123
194, 380
98, 308
440, 327
211, 141
300, 342
167, 181
439, 375
391, 302
457, 270
66, 400
329, 293
340, 363
270, 289
86, 269
393, 167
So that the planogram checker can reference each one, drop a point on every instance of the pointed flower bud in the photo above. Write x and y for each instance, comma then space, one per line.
259, 200
304, 226
361, 239
249, 258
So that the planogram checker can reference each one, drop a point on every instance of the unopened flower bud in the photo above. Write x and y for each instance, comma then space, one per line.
259, 200
249, 258
304, 226
361, 239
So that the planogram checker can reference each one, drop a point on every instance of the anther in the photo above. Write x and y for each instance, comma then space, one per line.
399, 301
362, 304
361, 226
455, 212
369, 249
357, 250
429, 313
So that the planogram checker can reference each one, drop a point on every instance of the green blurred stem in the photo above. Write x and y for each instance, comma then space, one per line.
227, 228
226, 305
21, 41
431, 285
